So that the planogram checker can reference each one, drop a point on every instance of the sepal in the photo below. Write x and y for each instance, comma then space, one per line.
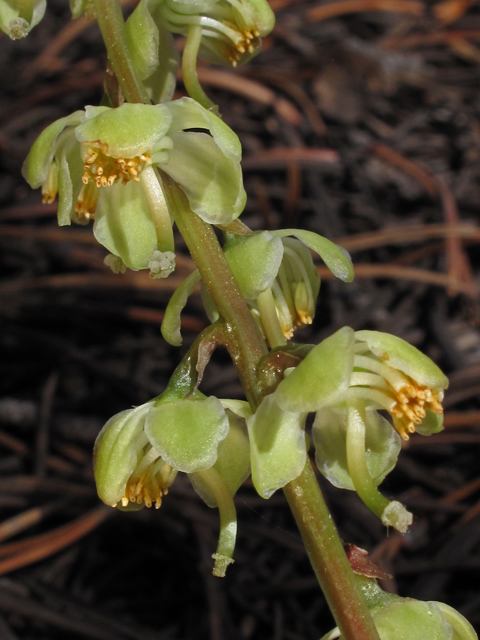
277, 445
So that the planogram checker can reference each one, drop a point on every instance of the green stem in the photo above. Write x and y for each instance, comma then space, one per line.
110, 20
244, 340
328, 558
246, 347
189, 69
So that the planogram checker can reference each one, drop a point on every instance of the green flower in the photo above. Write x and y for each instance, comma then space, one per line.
399, 618
139, 452
18, 17
346, 379
108, 164
277, 277
231, 30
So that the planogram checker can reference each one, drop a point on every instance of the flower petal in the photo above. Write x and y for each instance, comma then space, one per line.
37, 164
124, 224
233, 462
255, 261
336, 258
401, 355
186, 432
189, 114
114, 453
171, 321
125, 132
409, 619
211, 181
277, 445
382, 446
69, 179
142, 39
322, 378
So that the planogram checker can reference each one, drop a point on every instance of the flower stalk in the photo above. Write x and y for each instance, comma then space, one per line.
110, 21
246, 346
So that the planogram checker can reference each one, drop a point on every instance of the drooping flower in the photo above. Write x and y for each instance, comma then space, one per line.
346, 379
231, 30
108, 164
277, 277
139, 452
398, 618
18, 17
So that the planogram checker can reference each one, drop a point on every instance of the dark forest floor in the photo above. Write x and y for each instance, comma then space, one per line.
362, 125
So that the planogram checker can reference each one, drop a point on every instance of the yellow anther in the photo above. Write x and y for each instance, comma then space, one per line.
104, 170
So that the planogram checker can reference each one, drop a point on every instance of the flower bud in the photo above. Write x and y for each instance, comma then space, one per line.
399, 618
231, 30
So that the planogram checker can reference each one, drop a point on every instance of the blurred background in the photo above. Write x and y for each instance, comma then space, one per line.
360, 121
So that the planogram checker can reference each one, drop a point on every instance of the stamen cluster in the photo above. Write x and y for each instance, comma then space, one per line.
104, 170
149, 482
404, 398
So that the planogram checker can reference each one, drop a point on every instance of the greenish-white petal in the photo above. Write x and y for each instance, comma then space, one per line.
115, 452
142, 40
410, 619
255, 261
125, 132
462, 629
37, 164
69, 179
187, 432
240, 408
277, 445
401, 355
322, 378
189, 114
77, 7
172, 320
161, 84
262, 15
303, 254
124, 224
382, 446
432, 423
336, 258
212, 182
233, 462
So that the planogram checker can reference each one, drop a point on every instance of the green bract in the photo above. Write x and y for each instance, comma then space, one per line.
231, 30
345, 380
18, 17
108, 164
